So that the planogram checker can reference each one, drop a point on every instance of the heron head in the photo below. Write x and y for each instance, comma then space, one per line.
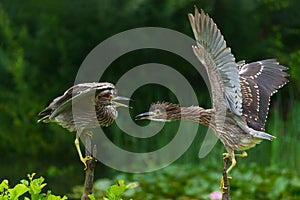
110, 98
160, 111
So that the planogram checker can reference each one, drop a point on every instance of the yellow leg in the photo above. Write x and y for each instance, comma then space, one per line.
222, 187
84, 160
227, 155
233, 160
243, 155
233, 164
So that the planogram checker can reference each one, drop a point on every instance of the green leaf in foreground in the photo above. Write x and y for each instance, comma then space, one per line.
32, 186
17, 191
116, 191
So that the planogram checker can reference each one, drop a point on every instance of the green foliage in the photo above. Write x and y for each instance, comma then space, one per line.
32, 186
12, 193
197, 182
107, 190
116, 191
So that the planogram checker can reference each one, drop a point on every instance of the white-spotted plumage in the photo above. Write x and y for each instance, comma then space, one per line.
243, 89
240, 92
262, 79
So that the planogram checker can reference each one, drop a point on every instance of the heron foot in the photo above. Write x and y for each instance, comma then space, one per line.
226, 155
243, 155
84, 160
233, 160
222, 186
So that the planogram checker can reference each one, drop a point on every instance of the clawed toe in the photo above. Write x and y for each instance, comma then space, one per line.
84, 160
222, 186
226, 155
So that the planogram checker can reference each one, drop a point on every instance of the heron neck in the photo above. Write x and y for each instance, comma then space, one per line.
106, 115
194, 114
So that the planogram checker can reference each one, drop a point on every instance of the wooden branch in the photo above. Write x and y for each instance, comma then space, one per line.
226, 189
89, 173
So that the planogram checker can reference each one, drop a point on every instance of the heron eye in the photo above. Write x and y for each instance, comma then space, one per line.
157, 112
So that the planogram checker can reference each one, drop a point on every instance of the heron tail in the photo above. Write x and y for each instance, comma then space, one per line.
44, 119
262, 135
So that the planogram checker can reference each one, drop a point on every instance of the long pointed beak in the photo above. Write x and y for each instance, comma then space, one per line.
146, 115
122, 98
118, 104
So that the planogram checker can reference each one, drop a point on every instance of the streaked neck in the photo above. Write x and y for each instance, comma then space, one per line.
192, 113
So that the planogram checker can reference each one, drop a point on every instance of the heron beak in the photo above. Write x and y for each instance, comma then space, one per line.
118, 104
122, 98
146, 115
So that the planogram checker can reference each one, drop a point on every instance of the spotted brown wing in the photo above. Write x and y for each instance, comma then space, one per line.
259, 81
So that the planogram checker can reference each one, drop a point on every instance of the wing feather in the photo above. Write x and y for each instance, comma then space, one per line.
212, 52
74, 94
259, 81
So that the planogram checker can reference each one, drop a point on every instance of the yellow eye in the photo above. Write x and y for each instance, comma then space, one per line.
157, 112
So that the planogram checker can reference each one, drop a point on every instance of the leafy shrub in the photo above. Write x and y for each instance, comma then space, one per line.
32, 188
187, 182
116, 191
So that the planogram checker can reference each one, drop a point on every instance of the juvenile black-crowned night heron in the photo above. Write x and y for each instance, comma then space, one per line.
240, 92
82, 107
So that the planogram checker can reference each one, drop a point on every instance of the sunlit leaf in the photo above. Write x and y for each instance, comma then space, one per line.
17, 191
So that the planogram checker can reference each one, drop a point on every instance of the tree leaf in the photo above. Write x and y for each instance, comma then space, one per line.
17, 191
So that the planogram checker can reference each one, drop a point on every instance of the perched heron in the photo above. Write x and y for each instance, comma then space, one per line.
240, 92
82, 107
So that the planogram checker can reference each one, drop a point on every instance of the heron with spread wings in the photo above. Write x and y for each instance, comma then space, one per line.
240, 92
82, 107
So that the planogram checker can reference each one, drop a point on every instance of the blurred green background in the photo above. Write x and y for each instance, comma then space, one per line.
43, 43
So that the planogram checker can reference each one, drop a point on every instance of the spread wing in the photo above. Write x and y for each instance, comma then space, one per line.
74, 93
222, 70
259, 81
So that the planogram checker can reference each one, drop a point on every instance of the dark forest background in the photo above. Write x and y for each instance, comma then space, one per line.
43, 43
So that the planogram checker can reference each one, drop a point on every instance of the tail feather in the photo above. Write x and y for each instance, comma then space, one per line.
44, 119
46, 111
261, 135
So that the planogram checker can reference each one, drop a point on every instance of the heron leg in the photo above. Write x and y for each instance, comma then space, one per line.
233, 160
231, 156
243, 155
77, 144
222, 186
233, 164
